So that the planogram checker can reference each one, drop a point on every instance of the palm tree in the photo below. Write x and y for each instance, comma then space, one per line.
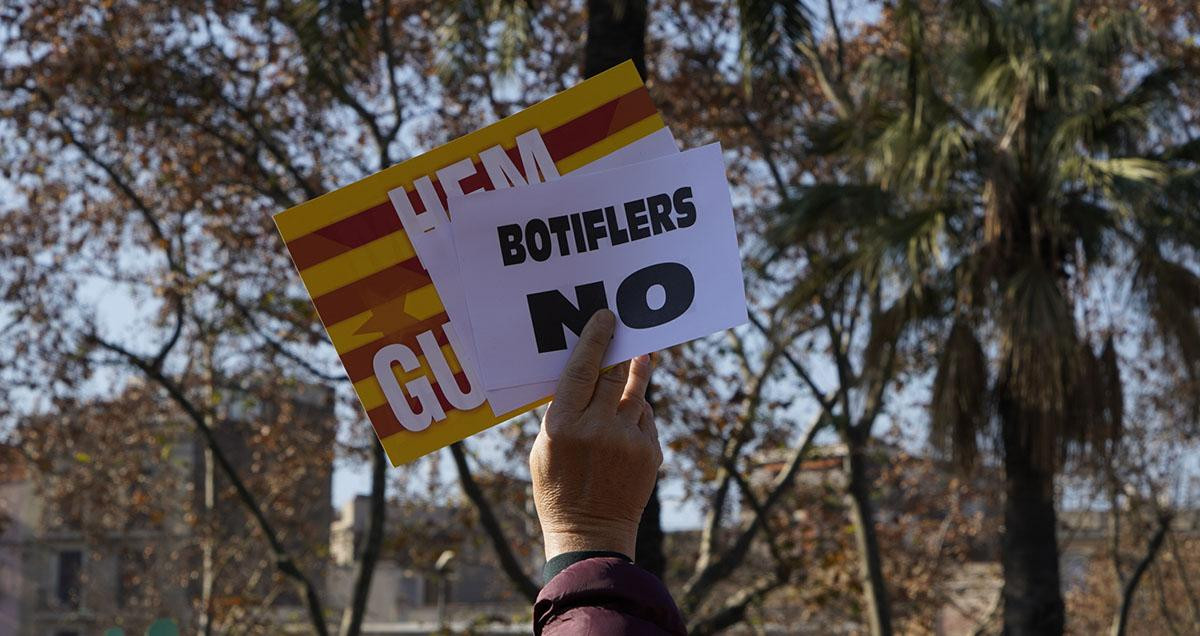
993, 166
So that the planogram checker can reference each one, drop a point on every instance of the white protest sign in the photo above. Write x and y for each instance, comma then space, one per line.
654, 241
433, 244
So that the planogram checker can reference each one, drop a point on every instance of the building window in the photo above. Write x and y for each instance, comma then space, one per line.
70, 577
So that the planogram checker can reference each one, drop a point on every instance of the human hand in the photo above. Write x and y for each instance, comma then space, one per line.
596, 458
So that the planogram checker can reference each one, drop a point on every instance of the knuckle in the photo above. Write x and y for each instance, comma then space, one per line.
577, 374
647, 448
552, 421
633, 409
537, 454
612, 377
563, 435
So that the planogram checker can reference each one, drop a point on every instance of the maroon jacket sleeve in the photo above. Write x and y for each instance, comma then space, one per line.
605, 596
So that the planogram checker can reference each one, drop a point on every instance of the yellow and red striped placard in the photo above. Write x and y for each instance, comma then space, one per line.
371, 290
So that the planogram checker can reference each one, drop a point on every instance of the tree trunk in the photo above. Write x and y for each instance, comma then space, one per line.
649, 548
353, 616
862, 516
616, 32
1029, 552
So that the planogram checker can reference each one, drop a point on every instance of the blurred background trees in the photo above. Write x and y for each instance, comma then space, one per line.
969, 232
1000, 160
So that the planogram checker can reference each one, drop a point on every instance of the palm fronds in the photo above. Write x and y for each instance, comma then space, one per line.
479, 34
1014, 152
1171, 295
960, 406
771, 31
1038, 341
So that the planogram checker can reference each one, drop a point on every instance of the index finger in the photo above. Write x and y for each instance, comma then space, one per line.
578, 380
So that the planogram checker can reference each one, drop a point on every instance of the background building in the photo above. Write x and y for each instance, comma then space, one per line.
410, 593
156, 533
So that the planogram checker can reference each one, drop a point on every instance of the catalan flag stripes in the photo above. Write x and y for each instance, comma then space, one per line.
369, 288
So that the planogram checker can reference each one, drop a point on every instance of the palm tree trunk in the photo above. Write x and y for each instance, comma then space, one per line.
1029, 552
862, 517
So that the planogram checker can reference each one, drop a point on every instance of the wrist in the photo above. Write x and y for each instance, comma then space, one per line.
616, 539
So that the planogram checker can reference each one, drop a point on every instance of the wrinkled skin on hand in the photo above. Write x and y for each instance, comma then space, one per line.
596, 458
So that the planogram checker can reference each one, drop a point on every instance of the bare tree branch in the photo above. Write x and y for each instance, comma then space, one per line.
737, 439
1127, 594
176, 332
873, 405
274, 343
352, 616
272, 148
122, 184
700, 585
491, 525
283, 558
734, 611
757, 508
1162, 602
391, 66
768, 154
275, 190
845, 373
126, 188
827, 405
1185, 579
